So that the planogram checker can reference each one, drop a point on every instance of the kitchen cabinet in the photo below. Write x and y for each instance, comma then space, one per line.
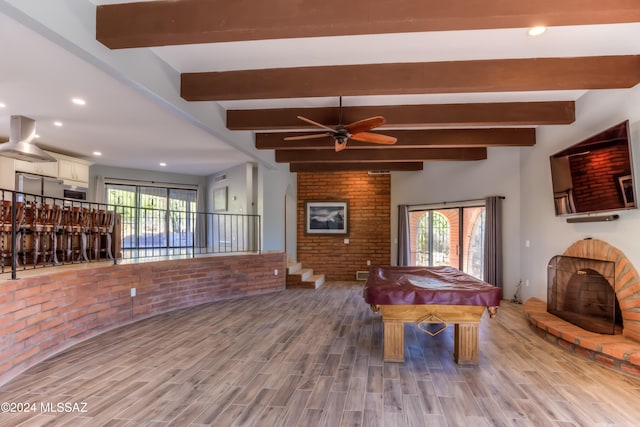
73, 170
37, 168
70, 169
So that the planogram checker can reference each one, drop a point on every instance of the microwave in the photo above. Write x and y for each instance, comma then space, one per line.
75, 193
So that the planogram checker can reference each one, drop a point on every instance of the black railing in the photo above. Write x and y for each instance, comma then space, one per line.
38, 231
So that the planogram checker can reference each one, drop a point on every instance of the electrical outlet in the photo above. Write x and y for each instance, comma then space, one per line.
368, 262
133, 292
275, 272
526, 282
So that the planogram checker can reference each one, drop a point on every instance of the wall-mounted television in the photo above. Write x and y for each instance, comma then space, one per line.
595, 175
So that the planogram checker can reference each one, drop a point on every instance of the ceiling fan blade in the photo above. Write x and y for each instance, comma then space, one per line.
320, 125
340, 146
375, 138
315, 135
365, 125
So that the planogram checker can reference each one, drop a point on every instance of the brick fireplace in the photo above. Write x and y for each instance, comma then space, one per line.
625, 280
620, 351
581, 291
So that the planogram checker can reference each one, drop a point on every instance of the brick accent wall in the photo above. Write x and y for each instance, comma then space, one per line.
369, 223
595, 178
47, 313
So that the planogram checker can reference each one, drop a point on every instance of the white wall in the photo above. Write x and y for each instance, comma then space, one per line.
269, 200
275, 183
239, 183
456, 181
550, 235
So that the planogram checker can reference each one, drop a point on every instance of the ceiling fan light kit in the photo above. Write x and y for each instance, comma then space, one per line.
358, 131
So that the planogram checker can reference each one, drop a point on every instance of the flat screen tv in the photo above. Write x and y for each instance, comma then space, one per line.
595, 175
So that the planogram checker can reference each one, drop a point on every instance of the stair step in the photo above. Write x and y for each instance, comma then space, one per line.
304, 273
299, 277
294, 267
295, 279
314, 281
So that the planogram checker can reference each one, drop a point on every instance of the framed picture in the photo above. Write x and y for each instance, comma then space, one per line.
326, 217
220, 200
627, 191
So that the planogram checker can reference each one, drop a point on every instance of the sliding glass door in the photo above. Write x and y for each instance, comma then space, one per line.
448, 236
154, 217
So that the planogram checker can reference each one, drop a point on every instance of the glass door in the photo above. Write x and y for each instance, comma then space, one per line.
451, 236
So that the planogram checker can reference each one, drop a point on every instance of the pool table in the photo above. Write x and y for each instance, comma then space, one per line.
429, 296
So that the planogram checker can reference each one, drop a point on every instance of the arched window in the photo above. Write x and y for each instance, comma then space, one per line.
433, 239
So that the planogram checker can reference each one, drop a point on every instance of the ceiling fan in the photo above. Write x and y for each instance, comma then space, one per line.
358, 131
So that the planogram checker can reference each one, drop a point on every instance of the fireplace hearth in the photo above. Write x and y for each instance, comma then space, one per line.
582, 291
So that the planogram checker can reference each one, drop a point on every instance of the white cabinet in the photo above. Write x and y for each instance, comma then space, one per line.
73, 170
38, 168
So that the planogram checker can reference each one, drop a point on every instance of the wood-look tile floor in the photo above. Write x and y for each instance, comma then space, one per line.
314, 358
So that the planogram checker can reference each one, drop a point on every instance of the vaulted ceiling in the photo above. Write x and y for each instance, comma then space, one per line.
425, 131
454, 80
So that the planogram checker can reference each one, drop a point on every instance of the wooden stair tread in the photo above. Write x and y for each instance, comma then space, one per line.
300, 277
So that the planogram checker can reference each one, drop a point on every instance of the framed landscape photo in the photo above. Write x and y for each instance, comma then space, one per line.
326, 217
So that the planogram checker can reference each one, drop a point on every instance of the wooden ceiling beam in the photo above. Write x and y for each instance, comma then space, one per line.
341, 167
376, 156
430, 138
160, 23
479, 114
498, 75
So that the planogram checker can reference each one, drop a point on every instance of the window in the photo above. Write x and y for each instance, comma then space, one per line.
154, 217
451, 236
433, 239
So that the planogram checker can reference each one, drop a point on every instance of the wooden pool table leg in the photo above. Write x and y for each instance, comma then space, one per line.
393, 341
466, 343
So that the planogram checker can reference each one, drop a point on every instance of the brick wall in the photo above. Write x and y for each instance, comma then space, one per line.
595, 178
44, 314
369, 223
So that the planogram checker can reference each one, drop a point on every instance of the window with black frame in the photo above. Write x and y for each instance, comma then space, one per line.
451, 236
153, 217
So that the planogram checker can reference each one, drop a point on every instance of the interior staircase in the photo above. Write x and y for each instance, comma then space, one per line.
299, 277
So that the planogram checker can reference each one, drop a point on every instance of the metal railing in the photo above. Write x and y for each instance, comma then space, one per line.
38, 231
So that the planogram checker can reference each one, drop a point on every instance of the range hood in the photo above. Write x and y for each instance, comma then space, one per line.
23, 131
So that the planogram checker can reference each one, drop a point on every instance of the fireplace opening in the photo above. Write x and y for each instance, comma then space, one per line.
581, 291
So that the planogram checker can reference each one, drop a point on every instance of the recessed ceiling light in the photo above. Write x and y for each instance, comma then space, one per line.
536, 31
59, 124
78, 101
97, 153
2, 105
163, 164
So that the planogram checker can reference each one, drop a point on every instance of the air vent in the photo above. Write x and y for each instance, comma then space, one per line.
379, 172
362, 275
220, 178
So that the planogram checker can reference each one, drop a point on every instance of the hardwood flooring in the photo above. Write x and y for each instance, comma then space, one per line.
314, 358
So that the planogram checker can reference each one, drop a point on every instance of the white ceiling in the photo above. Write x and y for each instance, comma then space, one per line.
137, 122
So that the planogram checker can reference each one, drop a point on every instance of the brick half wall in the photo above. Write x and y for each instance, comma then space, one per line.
45, 314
